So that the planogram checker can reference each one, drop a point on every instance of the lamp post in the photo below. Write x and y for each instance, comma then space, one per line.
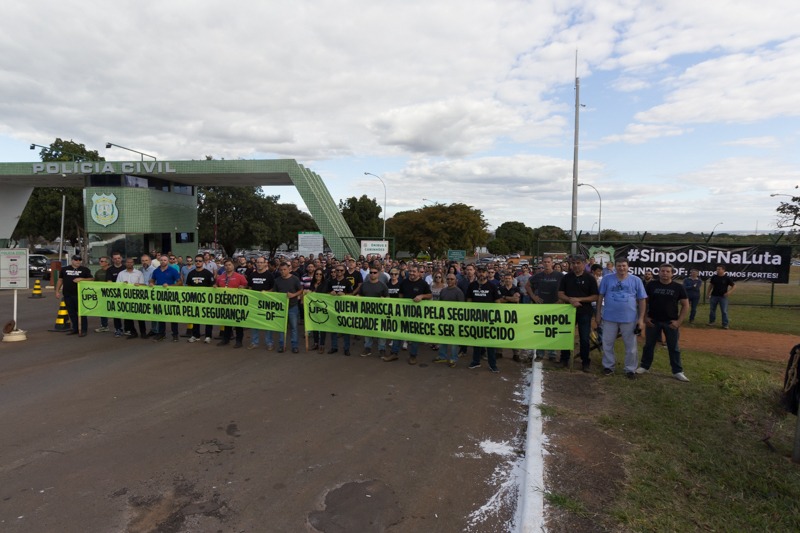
109, 145
384, 201
49, 149
600, 211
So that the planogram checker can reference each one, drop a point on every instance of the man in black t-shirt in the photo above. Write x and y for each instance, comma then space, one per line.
339, 285
200, 276
579, 289
111, 276
720, 286
261, 279
482, 290
68, 280
417, 290
668, 306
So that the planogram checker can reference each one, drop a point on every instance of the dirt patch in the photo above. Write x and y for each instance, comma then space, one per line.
738, 344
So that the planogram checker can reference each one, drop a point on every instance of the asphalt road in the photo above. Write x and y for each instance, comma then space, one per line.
101, 434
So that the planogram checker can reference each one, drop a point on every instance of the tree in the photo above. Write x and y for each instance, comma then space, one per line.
789, 214
291, 221
551, 233
41, 217
499, 247
438, 228
243, 216
363, 215
516, 235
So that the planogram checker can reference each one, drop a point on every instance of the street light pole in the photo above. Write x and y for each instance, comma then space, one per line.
109, 145
384, 201
600, 211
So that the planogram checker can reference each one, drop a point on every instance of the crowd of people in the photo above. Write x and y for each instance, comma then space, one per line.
608, 300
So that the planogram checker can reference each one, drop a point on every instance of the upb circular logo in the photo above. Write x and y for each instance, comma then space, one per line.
318, 311
89, 298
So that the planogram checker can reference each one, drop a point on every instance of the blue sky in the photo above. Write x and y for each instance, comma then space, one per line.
690, 118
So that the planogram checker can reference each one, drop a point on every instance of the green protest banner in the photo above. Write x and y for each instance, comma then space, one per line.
545, 327
185, 305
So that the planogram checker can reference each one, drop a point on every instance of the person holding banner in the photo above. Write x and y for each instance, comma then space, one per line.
579, 289
417, 290
542, 288
448, 353
231, 279
134, 277
319, 283
200, 276
620, 309
260, 279
165, 276
373, 287
290, 285
483, 291
339, 286
720, 286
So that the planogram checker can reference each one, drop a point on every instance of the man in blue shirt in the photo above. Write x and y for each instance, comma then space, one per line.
620, 309
165, 276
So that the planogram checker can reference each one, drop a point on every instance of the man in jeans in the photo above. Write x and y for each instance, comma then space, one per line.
289, 284
621, 307
579, 289
664, 296
373, 287
720, 285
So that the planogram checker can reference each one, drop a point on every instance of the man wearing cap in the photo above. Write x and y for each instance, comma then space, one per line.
579, 289
68, 280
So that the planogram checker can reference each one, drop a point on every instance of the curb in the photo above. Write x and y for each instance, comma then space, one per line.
530, 512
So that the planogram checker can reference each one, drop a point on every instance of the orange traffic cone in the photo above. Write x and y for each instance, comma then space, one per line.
62, 319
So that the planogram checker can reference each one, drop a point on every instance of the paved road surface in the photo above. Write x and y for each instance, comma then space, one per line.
102, 434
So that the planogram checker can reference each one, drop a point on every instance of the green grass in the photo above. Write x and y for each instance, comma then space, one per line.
751, 318
697, 460
566, 503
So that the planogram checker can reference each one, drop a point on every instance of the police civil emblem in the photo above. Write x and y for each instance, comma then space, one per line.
104, 209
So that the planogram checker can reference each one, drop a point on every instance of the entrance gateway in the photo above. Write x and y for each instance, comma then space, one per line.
153, 204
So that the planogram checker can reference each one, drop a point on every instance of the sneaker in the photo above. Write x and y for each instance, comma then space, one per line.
366, 353
321, 349
126, 333
174, 338
725, 327
494, 369
630, 375
451, 364
192, 339
347, 353
710, 324
207, 340
295, 350
160, 337
132, 336
405, 345
680, 376
381, 353
441, 360
118, 333
412, 360
223, 342
474, 365
237, 345
252, 346
101, 329
391, 357
642, 370
270, 347
607, 371
280, 349
333, 351
586, 367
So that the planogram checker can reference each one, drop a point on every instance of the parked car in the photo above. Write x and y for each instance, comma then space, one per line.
38, 266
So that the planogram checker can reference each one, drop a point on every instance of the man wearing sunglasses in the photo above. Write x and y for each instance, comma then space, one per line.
373, 287
200, 276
